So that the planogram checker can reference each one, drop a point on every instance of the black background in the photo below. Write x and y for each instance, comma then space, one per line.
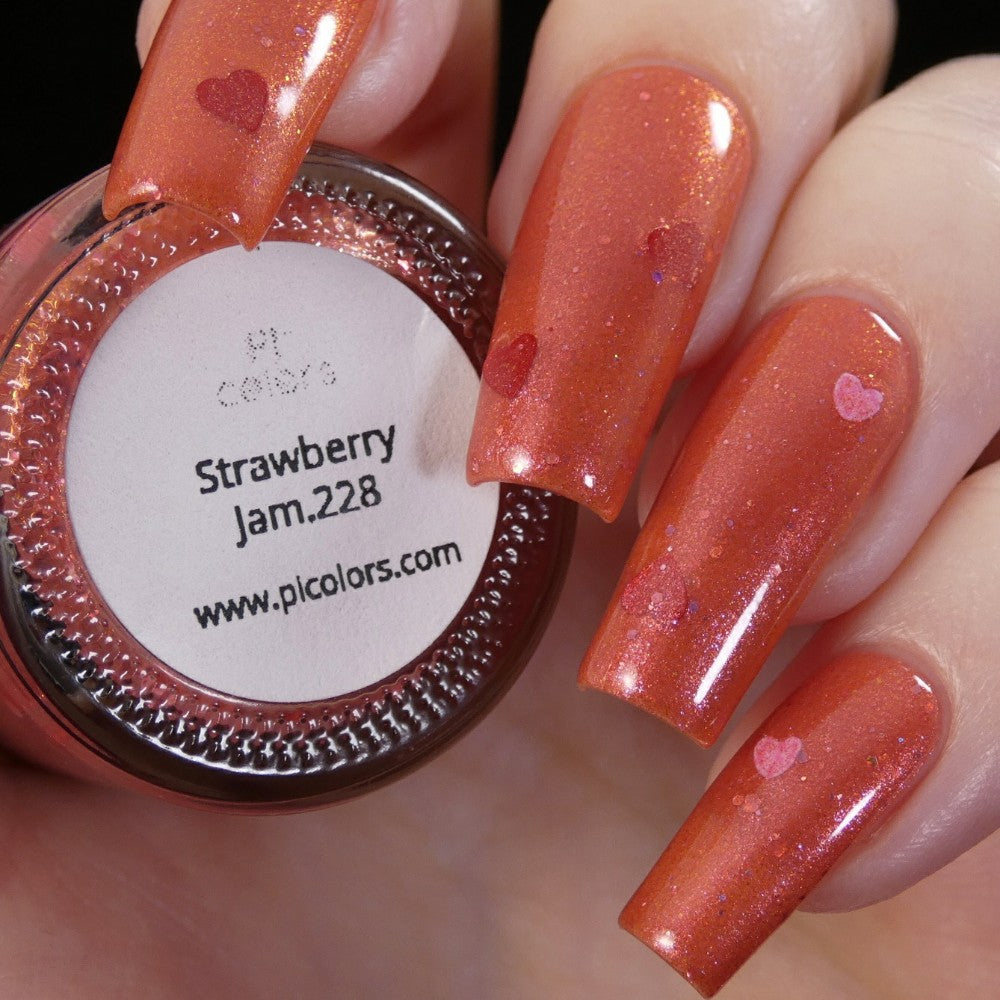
69, 67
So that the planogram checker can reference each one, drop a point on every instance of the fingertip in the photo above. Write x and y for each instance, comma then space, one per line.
821, 772
401, 55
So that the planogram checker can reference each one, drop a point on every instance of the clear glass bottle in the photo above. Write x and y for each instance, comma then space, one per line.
241, 565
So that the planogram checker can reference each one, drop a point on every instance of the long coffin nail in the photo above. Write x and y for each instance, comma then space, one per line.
228, 103
612, 263
825, 768
780, 462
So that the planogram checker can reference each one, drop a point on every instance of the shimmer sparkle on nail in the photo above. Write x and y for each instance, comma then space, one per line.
781, 460
617, 248
825, 769
228, 103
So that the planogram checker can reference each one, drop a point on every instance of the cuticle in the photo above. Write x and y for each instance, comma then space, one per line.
885, 306
879, 301
658, 60
926, 666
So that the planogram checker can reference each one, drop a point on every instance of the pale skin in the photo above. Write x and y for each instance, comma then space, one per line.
498, 870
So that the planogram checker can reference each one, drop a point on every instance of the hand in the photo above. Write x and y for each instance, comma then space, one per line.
498, 869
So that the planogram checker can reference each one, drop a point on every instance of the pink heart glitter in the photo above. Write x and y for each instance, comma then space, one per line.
853, 401
658, 591
240, 99
773, 757
506, 368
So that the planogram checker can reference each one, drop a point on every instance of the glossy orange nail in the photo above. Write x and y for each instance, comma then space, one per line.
612, 263
824, 769
769, 480
230, 99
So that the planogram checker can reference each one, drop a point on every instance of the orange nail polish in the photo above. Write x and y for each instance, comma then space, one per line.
769, 480
222, 119
825, 768
613, 260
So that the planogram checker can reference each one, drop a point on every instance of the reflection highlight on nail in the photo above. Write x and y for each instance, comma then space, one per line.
826, 768
616, 251
228, 103
781, 460
734, 638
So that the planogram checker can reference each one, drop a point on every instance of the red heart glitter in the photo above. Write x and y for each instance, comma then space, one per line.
658, 591
773, 757
240, 99
853, 401
506, 368
678, 252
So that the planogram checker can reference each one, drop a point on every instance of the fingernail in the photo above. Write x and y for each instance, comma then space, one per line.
611, 266
782, 459
228, 103
824, 769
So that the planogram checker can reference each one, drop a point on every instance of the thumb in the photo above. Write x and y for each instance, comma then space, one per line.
419, 95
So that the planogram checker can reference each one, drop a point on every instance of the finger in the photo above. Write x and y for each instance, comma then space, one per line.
659, 141
870, 385
446, 140
414, 96
905, 200
903, 689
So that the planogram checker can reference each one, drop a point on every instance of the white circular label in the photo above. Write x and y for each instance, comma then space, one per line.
265, 473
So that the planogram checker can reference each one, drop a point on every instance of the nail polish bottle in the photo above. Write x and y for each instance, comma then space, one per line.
240, 565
